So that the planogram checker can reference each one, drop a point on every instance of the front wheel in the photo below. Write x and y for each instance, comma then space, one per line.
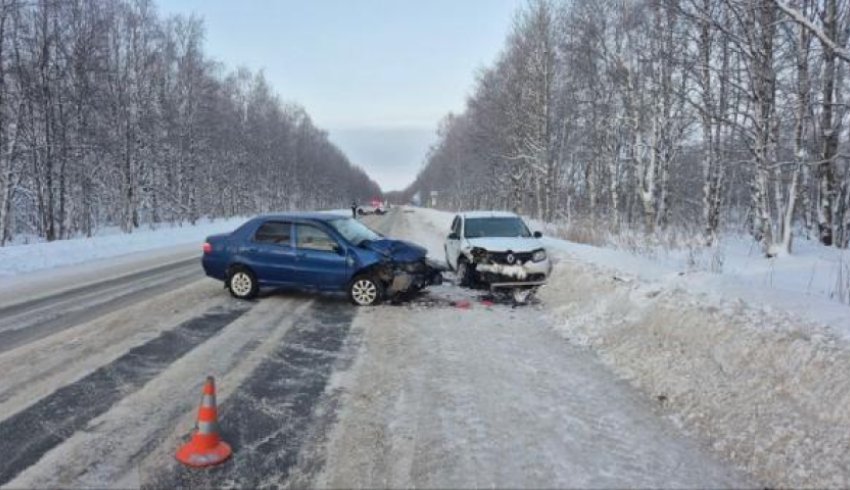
463, 273
365, 291
242, 283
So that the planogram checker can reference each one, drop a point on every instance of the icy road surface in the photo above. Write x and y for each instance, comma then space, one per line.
101, 383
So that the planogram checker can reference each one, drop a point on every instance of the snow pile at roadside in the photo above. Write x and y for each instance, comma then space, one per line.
17, 259
805, 285
764, 389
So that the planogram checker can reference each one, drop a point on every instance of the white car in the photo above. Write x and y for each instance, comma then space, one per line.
496, 250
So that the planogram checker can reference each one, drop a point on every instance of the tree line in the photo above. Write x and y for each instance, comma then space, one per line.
652, 113
111, 115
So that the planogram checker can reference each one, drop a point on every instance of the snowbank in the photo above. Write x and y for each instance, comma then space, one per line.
765, 389
17, 259
807, 285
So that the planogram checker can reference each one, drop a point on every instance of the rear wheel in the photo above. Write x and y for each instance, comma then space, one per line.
242, 283
365, 290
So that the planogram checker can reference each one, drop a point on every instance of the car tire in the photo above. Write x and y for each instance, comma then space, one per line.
463, 273
365, 290
242, 283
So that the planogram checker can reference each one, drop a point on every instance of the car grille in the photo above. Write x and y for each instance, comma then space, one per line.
502, 257
491, 277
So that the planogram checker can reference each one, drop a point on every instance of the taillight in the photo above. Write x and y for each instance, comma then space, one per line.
207, 248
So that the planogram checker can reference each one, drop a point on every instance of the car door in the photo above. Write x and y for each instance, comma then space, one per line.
321, 260
453, 243
270, 254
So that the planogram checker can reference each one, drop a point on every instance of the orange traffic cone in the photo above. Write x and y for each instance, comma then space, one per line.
206, 447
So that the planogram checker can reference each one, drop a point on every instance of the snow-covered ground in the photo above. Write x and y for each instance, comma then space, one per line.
111, 242
810, 284
751, 358
491, 397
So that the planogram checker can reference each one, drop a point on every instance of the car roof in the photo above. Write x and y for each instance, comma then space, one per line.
488, 214
313, 216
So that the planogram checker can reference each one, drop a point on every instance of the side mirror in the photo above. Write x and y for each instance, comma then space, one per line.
538, 234
453, 236
339, 249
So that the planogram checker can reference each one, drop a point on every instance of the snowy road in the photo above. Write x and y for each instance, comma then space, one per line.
33, 319
101, 382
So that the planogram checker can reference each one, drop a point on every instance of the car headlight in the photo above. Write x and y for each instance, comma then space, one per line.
539, 256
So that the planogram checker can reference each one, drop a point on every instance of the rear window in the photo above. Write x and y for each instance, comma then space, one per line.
276, 232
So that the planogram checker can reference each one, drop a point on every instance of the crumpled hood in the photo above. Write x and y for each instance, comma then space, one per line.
498, 244
398, 250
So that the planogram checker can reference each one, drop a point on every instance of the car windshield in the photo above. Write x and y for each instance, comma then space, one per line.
495, 227
353, 231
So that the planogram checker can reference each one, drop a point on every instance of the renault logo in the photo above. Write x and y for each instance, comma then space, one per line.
510, 258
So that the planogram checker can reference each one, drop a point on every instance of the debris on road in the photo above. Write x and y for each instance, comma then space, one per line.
462, 304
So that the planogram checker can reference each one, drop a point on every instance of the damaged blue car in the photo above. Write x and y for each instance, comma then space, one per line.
317, 251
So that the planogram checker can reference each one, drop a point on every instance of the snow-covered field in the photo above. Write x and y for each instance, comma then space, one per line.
17, 259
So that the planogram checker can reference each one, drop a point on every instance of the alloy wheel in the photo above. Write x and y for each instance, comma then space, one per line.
364, 292
241, 284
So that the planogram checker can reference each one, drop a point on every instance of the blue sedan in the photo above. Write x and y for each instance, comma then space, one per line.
317, 251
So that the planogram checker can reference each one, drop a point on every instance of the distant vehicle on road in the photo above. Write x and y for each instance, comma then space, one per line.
375, 206
316, 251
496, 250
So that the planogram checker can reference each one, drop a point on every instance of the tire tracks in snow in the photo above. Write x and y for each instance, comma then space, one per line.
27, 435
280, 410
31, 320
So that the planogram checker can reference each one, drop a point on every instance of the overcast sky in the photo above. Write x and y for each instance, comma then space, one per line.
377, 74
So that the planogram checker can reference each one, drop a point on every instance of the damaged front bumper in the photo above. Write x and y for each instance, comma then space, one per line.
408, 277
492, 271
